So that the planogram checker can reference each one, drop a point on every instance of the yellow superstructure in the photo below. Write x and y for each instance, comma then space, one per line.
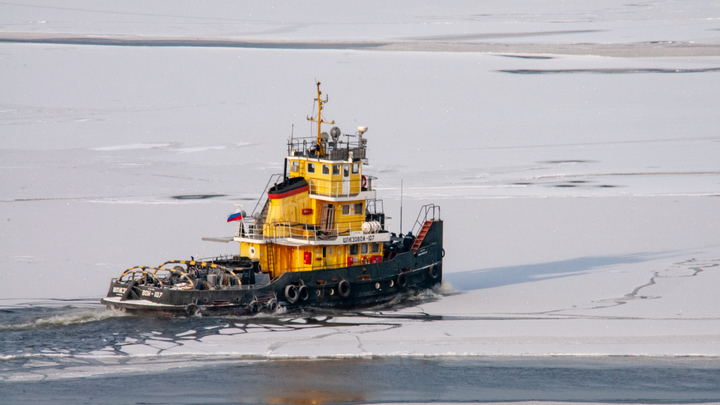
322, 213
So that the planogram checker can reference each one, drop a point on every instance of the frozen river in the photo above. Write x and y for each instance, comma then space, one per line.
572, 147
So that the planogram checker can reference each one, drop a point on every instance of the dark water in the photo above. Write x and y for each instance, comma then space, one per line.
391, 380
72, 353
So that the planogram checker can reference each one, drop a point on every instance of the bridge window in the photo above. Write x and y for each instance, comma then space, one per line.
356, 168
375, 247
311, 167
325, 169
353, 249
364, 248
336, 170
346, 209
295, 167
359, 209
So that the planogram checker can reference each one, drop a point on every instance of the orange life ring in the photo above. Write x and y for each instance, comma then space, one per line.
364, 181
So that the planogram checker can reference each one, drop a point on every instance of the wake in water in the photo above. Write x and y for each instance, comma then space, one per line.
57, 335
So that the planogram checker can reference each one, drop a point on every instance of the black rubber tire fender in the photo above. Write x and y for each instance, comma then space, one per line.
291, 293
402, 280
434, 271
344, 288
191, 309
304, 293
271, 305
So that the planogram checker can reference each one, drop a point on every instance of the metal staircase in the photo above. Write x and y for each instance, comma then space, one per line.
421, 235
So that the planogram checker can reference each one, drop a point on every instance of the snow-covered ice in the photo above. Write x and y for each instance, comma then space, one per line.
580, 193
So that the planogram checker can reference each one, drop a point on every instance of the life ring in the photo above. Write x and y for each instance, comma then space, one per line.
365, 260
291, 293
304, 293
434, 273
344, 288
364, 181
402, 280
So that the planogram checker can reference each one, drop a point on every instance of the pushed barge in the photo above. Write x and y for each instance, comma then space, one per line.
318, 241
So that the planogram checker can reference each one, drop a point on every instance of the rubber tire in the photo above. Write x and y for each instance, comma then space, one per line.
401, 280
253, 307
434, 272
191, 309
272, 305
304, 293
291, 294
344, 288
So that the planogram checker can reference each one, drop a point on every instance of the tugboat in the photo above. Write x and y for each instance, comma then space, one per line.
319, 240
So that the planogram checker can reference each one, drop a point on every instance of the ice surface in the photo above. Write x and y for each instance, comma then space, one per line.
579, 193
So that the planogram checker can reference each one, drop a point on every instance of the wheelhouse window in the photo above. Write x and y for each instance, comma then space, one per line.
359, 209
364, 248
325, 169
356, 168
375, 248
353, 249
336, 170
311, 167
346, 170
346, 209
295, 167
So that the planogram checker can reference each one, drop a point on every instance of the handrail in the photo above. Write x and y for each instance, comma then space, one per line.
298, 230
273, 176
429, 212
337, 188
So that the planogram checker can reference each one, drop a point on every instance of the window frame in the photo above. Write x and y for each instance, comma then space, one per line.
310, 167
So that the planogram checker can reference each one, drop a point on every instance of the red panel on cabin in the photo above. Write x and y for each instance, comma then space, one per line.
377, 259
350, 261
307, 257
307, 211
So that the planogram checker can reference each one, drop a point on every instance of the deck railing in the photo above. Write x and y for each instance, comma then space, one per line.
340, 188
295, 230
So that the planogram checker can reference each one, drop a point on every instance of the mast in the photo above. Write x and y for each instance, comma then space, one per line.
319, 120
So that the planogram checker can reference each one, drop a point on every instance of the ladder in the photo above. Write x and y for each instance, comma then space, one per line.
421, 235
270, 247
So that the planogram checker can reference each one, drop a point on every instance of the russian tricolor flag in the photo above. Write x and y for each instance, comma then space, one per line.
235, 217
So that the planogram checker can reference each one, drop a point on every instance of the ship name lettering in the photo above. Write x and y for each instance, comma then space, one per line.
358, 239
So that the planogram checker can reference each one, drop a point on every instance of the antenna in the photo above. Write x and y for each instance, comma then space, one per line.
401, 203
320, 121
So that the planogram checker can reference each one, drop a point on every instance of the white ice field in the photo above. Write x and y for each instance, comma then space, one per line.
580, 193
